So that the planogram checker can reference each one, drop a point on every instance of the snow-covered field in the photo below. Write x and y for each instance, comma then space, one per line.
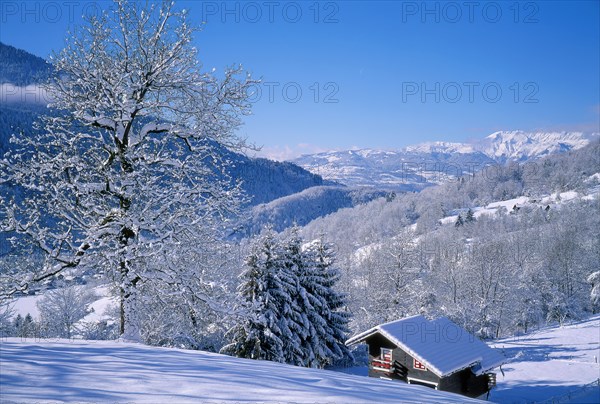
85, 371
551, 364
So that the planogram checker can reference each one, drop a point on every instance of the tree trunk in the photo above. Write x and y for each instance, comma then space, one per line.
122, 311
129, 327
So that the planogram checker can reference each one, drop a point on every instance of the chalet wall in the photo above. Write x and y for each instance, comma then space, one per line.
384, 375
407, 361
377, 341
466, 383
457, 382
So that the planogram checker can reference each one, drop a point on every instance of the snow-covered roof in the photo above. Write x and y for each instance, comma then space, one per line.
443, 346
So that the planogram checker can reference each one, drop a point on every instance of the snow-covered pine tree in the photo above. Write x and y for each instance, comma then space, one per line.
258, 335
315, 313
17, 325
24, 326
298, 311
329, 318
292, 314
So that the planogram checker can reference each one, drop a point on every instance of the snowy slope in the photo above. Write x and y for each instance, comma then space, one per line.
21, 68
82, 371
552, 201
553, 363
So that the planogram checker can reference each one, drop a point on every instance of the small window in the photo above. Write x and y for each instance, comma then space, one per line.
386, 354
418, 365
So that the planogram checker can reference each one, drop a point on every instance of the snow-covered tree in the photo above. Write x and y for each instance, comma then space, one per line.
298, 307
389, 290
259, 334
24, 327
192, 311
6, 314
128, 167
594, 280
98, 330
61, 308
291, 311
327, 313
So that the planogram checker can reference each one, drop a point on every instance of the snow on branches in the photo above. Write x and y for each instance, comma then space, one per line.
127, 168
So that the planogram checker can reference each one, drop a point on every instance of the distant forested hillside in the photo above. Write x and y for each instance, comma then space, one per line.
303, 207
21, 68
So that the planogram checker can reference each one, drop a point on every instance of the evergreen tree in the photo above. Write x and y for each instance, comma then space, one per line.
316, 316
23, 326
299, 306
292, 313
18, 325
28, 326
329, 319
259, 334
459, 221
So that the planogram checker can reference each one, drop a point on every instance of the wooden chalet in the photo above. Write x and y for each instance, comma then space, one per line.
434, 353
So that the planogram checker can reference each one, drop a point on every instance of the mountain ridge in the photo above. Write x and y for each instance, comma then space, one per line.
415, 167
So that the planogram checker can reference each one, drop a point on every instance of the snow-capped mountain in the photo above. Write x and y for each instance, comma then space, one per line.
415, 167
514, 145
520, 146
441, 147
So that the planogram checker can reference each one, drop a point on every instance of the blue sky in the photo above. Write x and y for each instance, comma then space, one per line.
345, 74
